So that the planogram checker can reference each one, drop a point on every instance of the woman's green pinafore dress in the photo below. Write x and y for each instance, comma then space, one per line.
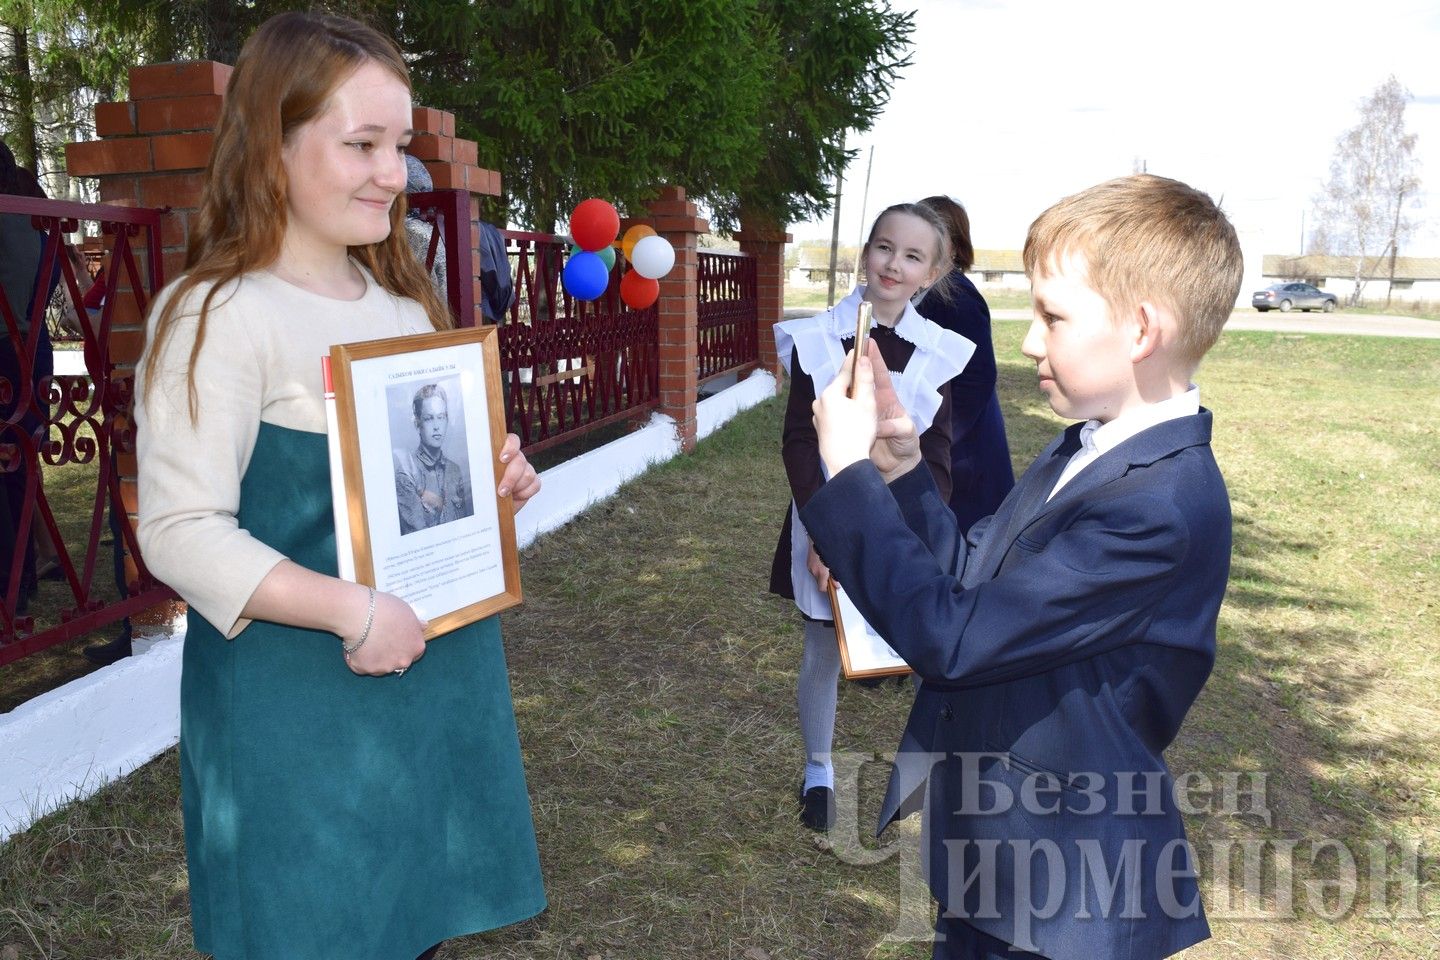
330, 816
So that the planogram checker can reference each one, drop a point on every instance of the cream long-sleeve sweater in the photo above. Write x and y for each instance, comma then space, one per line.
260, 361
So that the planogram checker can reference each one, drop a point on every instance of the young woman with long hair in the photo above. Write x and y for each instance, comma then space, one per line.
980, 471
343, 797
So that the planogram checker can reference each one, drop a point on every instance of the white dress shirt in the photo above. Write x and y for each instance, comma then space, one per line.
1098, 438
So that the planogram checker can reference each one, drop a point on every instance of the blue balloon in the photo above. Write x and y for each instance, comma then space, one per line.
585, 276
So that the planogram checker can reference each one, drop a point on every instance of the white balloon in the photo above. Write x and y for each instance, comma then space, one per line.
652, 257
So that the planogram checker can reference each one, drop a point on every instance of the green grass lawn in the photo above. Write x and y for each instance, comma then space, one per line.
654, 688
1423, 309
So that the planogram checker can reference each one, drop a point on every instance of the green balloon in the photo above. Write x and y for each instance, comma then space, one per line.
606, 253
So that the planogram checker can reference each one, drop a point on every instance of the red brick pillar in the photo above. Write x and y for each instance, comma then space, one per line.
153, 151
766, 243
677, 220
452, 163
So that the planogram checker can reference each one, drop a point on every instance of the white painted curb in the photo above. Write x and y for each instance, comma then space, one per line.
714, 412
64, 745
567, 489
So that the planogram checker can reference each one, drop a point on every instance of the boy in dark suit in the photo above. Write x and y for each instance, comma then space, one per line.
1062, 641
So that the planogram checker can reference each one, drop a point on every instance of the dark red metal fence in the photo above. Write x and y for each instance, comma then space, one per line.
727, 335
570, 366
62, 431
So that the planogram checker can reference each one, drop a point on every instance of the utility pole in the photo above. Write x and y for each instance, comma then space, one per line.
835, 231
864, 205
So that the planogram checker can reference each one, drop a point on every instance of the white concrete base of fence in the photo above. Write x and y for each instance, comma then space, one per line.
713, 412
64, 745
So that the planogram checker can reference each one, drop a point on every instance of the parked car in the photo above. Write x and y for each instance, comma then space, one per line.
1293, 296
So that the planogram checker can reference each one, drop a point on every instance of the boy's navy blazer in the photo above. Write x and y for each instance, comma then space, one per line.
1060, 645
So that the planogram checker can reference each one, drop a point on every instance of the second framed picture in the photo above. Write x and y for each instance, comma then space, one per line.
415, 439
863, 652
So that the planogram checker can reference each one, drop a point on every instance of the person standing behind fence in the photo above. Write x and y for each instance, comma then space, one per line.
980, 470
496, 287
120, 646
908, 249
420, 232
21, 250
342, 796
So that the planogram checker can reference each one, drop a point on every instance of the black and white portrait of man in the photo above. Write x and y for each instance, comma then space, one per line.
432, 487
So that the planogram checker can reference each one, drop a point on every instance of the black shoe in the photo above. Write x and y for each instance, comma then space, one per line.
817, 809
869, 683
50, 570
110, 651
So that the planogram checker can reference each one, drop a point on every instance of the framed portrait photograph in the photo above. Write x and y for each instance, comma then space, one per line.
863, 652
416, 431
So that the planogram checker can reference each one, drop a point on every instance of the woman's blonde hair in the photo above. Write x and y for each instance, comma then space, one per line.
283, 79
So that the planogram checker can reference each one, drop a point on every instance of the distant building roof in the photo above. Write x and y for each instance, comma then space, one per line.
1001, 261
1316, 265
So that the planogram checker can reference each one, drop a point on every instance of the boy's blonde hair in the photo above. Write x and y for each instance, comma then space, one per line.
1147, 238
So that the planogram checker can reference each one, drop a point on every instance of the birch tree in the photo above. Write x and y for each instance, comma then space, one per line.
1373, 182
58, 59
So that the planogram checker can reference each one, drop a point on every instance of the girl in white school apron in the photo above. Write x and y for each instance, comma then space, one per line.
908, 250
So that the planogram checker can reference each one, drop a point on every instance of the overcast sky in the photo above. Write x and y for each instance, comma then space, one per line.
1011, 104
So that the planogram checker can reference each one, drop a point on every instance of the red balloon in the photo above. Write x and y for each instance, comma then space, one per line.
594, 224
638, 292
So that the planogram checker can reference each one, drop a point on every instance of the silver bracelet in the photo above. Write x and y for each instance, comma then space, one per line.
348, 649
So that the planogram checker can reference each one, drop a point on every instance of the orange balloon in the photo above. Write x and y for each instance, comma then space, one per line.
633, 236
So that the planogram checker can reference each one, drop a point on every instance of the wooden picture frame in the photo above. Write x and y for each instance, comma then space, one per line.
415, 515
863, 652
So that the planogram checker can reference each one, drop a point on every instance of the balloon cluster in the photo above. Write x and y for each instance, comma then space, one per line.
594, 225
